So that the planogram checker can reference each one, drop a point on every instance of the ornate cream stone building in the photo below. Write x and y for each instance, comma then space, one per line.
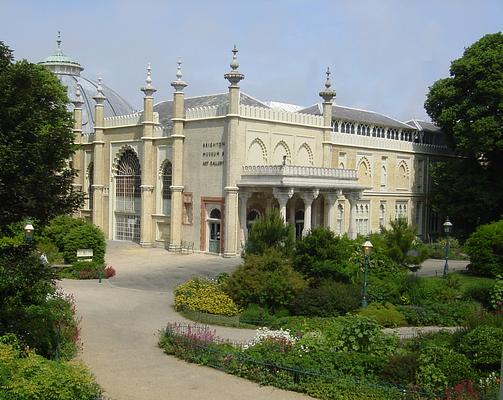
198, 171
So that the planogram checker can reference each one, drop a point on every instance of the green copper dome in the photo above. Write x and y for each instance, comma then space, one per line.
59, 63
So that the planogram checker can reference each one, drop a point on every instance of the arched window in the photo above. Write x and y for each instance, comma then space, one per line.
215, 213
384, 176
167, 180
382, 214
128, 181
128, 196
90, 181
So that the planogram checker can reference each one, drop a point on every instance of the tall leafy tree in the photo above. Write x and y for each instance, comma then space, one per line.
36, 142
468, 107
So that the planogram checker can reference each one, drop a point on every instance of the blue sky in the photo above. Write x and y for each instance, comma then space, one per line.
384, 53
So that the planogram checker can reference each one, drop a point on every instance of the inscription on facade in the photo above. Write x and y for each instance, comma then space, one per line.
213, 154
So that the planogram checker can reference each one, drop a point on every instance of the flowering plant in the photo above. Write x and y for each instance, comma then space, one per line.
281, 336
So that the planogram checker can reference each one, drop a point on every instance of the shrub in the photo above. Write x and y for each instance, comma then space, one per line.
58, 228
205, 296
270, 231
485, 248
254, 314
440, 368
437, 249
267, 280
45, 246
85, 236
386, 288
329, 299
26, 375
484, 345
321, 254
400, 369
109, 272
496, 294
399, 239
386, 315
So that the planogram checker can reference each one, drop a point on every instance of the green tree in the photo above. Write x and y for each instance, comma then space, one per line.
400, 243
36, 140
468, 107
270, 231
322, 254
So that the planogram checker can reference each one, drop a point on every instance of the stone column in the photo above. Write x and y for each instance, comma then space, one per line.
328, 95
282, 195
308, 197
232, 161
353, 197
330, 204
77, 158
147, 167
98, 157
243, 203
175, 237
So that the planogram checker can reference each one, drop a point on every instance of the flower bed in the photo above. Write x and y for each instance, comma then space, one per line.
281, 367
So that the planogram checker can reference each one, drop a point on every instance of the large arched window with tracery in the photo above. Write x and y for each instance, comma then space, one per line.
89, 181
128, 196
167, 181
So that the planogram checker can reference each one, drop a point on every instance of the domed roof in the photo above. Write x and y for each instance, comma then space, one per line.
68, 72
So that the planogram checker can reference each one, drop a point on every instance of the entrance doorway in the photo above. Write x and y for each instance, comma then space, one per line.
299, 224
214, 230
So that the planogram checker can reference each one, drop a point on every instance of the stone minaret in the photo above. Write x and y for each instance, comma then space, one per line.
77, 132
98, 157
232, 161
327, 94
177, 160
148, 159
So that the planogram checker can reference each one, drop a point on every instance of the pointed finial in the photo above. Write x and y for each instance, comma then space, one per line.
78, 98
179, 69
99, 97
328, 83
149, 90
178, 84
234, 76
59, 40
234, 62
328, 93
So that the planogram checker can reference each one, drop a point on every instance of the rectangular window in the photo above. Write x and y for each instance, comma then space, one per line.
401, 210
187, 216
363, 218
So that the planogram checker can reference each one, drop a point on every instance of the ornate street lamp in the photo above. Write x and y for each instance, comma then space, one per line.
28, 232
367, 247
447, 229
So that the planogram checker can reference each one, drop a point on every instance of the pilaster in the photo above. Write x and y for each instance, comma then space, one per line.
77, 159
98, 157
147, 167
177, 160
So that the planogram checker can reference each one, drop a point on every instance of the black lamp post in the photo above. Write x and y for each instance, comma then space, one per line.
447, 229
367, 247
28, 232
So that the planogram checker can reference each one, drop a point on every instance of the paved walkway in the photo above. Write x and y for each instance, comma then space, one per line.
121, 318
120, 322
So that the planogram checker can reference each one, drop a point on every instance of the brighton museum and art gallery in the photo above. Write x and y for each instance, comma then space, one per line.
197, 171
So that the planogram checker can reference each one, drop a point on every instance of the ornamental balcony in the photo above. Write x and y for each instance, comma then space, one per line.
299, 176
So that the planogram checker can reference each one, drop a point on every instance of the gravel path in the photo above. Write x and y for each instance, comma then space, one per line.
120, 322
